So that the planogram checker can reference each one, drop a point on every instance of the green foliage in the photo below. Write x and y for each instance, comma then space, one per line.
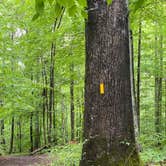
25, 52
109, 2
67, 155
139, 4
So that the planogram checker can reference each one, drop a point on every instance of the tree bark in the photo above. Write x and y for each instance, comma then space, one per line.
72, 114
165, 105
31, 131
158, 85
37, 131
2, 132
139, 72
19, 135
51, 97
45, 101
12, 136
108, 118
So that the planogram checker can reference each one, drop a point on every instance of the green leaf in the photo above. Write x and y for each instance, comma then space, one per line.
73, 10
82, 3
66, 3
57, 9
84, 14
138, 4
50, 1
39, 6
109, 2
35, 16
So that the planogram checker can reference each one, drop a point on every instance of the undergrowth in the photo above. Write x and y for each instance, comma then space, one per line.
68, 155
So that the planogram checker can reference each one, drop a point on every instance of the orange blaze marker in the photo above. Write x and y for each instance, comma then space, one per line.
101, 88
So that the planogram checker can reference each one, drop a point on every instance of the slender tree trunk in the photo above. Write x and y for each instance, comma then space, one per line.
12, 136
108, 118
54, 127
77, 119
44, 117
132, 60
139, 72
19, 135
2, 132
31, 132
45, 102
37, 131
63, 119
72, 114
165, 107
56, 25
12, 124
158, 85
51, 97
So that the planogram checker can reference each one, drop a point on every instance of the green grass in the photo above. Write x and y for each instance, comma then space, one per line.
68, 155
153, 154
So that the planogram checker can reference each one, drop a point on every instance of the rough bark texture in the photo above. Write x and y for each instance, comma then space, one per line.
108, 119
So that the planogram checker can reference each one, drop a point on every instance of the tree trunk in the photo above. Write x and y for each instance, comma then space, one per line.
19, 135
108, 118
139, 72
45, 101
165, 106
56, 25
51, 97
2, 132
37, 132
31, 131
63, 120
12, 136
72, 115
158, 86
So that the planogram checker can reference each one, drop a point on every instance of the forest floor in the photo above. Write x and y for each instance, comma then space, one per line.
35, 160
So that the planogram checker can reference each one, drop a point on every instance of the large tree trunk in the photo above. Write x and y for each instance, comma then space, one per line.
108, 119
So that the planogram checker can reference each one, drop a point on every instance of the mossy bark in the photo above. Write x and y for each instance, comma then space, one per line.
108, 118
97, 153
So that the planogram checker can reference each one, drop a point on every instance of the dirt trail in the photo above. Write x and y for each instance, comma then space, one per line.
36, 160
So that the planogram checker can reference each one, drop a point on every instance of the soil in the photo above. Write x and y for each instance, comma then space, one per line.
35, 160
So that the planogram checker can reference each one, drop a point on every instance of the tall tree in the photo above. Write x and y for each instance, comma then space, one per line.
158, 83
31, 131
72, 114
139, 71
108, 118
12, 136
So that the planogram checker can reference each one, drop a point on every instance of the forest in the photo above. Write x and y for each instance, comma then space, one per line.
83, 82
